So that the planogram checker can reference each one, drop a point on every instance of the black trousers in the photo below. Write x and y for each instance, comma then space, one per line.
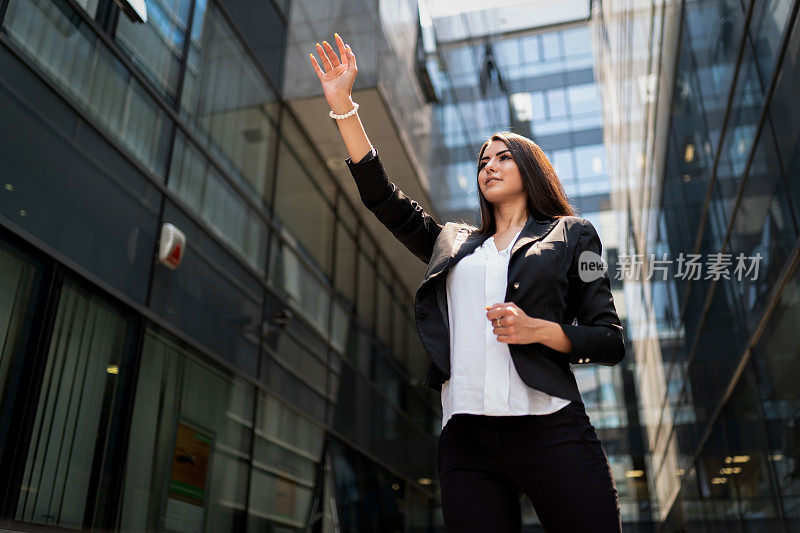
485, 462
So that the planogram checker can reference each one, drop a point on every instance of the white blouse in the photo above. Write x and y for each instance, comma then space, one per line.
483, 379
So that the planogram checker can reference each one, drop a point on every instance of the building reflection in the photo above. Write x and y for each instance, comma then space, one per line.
697, 124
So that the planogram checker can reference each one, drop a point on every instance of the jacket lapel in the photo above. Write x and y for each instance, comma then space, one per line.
468, 245
461, 242
458, 242
533, 230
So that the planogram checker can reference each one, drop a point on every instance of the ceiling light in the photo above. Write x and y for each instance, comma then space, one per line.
737, 459
688, 154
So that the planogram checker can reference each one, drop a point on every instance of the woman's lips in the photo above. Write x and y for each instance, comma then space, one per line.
492, 180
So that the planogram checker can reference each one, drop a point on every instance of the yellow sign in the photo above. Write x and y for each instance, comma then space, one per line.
187, 482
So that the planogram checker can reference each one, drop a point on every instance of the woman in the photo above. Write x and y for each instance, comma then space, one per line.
503, 311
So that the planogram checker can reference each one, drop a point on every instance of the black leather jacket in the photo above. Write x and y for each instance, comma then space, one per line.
543, 280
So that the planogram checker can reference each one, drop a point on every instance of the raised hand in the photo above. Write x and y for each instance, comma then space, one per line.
339, 75
337, 83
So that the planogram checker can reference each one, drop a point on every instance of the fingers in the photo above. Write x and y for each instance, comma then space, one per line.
329, 58
503, 304
342, 50
497, 312
351, 57
315, 65
325, 61
501, 321
494, 313
334, 59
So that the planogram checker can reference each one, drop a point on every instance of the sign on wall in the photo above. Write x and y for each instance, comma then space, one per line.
188, 480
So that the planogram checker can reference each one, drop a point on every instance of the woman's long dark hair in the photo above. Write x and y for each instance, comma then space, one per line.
546, 196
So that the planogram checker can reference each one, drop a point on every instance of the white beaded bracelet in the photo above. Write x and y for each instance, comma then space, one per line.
348, 114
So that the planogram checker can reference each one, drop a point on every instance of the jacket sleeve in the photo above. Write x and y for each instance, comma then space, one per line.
597, 337
401, 215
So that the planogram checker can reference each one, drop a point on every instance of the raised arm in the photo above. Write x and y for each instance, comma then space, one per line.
337, 83
401, 215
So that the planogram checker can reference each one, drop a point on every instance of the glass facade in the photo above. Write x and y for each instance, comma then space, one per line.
79, 396
539, 85
703, 138
270, 383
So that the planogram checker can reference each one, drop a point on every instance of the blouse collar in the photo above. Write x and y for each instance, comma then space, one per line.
507, 251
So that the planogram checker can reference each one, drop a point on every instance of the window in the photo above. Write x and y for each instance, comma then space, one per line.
19, 280
551, 44
228, 104
583, 99
157, 46
90, 6
556, 102
74, 413
563, 164
590, 160
176, 389
66, 48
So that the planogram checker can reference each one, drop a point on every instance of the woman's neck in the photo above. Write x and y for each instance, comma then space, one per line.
505, 221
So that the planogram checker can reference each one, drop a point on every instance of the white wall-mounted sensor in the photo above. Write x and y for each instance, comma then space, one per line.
135, 9
172, 246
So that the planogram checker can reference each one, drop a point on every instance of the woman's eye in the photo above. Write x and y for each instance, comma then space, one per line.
504, 156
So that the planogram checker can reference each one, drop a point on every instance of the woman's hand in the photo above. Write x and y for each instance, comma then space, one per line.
339, 75
513, 326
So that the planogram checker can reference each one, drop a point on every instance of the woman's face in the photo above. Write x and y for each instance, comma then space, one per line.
498, 175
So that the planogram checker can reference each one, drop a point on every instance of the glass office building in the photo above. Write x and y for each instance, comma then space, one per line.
266, 384
702, 130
